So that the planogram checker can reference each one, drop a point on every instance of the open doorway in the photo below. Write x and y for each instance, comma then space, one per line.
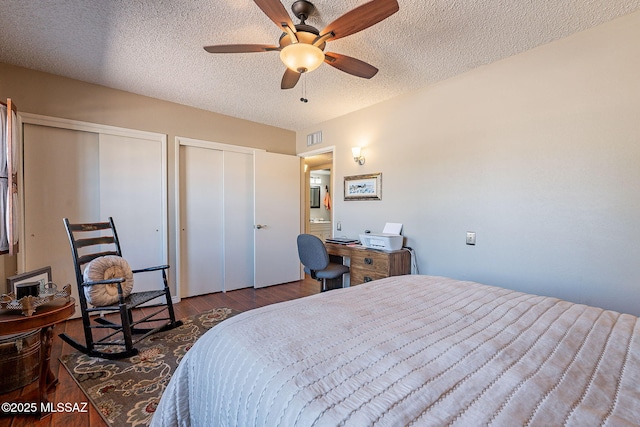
318, 192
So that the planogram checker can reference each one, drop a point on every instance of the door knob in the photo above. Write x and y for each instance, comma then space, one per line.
259, 226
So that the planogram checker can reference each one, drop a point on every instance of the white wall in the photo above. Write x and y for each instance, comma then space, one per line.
539, 154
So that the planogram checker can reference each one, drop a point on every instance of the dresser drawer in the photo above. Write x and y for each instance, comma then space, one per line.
360, 276
370, 261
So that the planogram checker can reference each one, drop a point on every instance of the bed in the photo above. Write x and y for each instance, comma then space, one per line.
412, 350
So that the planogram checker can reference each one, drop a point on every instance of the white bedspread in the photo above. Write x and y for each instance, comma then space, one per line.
412, 350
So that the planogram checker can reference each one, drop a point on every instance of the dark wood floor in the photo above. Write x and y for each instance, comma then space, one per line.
68, 391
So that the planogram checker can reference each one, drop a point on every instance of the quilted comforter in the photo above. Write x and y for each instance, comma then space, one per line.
412, 350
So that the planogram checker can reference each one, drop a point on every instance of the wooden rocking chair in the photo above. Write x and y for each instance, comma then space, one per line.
90, 242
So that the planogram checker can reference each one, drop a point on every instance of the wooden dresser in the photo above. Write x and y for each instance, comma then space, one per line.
370, 264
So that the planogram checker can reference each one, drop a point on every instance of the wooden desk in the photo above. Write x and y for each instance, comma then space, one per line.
44, 318
370, 264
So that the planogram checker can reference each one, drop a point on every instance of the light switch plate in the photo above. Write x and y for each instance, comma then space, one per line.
471, 238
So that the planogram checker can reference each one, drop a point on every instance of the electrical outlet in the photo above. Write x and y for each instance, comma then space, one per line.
339, 226
471, 238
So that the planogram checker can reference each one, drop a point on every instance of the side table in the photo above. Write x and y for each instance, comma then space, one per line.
44, 318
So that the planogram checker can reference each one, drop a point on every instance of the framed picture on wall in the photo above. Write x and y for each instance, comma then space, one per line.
363, 187
315, 197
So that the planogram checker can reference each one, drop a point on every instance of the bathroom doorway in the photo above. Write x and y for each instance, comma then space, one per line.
319, 195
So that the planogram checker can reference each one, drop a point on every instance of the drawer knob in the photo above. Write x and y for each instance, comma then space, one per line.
367, 279
368, 261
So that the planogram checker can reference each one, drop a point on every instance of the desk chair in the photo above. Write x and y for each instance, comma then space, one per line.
313, 255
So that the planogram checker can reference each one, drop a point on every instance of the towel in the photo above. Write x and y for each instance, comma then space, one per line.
327, 201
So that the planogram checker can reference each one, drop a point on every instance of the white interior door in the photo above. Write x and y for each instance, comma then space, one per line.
277, 218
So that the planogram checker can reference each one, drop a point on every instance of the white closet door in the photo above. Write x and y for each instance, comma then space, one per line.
201, 221
61, 180
238, 220
81, 171
132, 192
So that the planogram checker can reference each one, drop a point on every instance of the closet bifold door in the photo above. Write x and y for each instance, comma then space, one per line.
131, 191
61, 179
216, 218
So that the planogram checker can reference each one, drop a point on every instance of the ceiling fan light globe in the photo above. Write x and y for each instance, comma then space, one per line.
301, 57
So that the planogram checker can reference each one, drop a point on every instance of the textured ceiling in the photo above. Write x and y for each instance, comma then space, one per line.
154, 48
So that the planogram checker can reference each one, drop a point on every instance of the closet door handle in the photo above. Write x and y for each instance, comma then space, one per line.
259, 226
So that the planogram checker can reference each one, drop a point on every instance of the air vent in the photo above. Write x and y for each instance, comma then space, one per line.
314, 138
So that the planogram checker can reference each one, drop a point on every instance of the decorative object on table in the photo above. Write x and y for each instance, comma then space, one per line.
126, 391
363, 187
40, 275
26, 289
48, 288
29, 303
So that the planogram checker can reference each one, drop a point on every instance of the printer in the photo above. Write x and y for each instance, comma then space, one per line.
389, 240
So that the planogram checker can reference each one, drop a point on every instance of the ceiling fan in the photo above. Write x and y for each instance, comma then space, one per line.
302, 46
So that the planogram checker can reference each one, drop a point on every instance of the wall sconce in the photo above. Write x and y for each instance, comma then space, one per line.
357, 155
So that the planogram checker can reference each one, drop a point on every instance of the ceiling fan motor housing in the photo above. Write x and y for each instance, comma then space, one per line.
302, 9
305, 34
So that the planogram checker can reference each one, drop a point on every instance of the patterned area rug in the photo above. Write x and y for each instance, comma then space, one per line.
127, 391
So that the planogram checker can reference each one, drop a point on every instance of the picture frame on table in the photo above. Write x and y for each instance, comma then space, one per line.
42, 276
363, 187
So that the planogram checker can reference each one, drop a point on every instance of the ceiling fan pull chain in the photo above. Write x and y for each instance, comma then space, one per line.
304, 88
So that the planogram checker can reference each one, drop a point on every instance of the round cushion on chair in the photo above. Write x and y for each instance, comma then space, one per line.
103, 268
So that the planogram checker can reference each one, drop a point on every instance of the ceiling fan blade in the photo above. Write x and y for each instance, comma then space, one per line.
276, 12
361, 17
290, 79
240, 48
350, 65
